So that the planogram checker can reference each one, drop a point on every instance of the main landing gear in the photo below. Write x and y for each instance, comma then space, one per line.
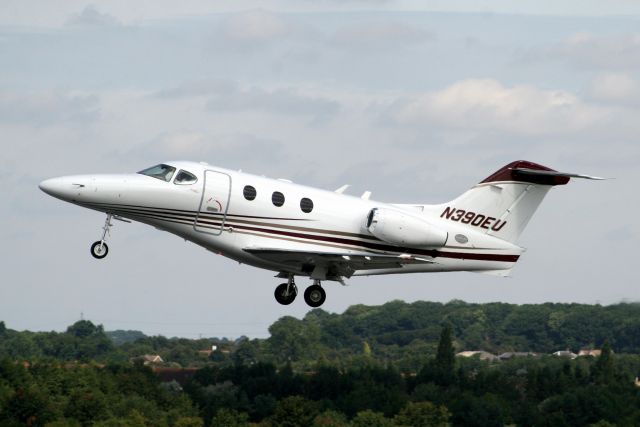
286, 292
314, 295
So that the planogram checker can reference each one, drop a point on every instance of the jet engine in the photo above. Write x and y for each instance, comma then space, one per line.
399, 228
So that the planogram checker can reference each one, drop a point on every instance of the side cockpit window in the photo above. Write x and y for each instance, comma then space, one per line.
163, 172
184, 178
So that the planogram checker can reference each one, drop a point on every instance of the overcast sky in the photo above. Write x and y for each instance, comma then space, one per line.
415, 103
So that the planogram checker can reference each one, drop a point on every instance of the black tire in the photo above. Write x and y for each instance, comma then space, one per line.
281, 294
97, 253
314, 296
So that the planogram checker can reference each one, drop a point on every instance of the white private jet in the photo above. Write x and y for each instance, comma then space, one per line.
303, 231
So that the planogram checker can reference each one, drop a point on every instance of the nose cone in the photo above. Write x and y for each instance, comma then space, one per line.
53, 187
68, 188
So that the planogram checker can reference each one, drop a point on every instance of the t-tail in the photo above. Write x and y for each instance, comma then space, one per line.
502, 204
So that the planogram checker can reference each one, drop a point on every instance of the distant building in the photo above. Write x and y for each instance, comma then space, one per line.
589, 352
565, 353
152, 358
148, 359
483, 355
207, 352
511, 354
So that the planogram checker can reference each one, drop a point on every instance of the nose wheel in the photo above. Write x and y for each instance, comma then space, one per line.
100, 249
315, 295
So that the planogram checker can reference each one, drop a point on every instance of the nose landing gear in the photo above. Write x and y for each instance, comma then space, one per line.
100, 249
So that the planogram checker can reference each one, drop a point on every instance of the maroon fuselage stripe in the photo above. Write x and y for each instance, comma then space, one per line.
371, 245
427, 252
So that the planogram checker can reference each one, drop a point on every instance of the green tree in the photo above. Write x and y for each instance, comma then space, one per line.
603, 369
189, 422
446, 356
29, 406
292, 339
423, 414
330, 419
84, 329
134, 419
294, 411
366, 350
63, 423
86, 406
230, 418
370, 418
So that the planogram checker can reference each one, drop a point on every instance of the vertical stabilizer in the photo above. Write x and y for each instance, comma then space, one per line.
502, 204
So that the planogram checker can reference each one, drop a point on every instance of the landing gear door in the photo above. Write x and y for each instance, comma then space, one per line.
214, 203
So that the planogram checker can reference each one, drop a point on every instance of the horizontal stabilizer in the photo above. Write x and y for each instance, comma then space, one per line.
528, 171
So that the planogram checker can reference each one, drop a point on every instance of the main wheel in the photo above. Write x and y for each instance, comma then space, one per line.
283, 297
314, 296
99, 250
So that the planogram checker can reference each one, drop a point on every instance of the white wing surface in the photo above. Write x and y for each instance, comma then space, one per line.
335, 263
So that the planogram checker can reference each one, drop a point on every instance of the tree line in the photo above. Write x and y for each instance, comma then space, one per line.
397, 332
336, 370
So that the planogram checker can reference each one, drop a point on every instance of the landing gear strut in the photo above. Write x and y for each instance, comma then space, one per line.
314, 295
286, 292
100, 249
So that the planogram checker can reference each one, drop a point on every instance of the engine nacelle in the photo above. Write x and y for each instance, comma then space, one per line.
399, 228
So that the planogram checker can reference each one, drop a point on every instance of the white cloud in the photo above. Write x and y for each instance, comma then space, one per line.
48, 107
227, 96
379, 35
256, 25
250, 30
615, 51
488, 105
281, 101
616, 88
92, 17
186, 144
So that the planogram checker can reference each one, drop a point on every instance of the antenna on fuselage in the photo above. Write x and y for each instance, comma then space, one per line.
342, 189
366, 195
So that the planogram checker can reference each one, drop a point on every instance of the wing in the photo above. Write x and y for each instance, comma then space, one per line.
334, 264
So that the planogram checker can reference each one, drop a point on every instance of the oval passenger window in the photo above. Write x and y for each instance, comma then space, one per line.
249, 192
306, 205
277, 198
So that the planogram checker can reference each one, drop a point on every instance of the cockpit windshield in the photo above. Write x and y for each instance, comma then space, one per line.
184, 178
163, 172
